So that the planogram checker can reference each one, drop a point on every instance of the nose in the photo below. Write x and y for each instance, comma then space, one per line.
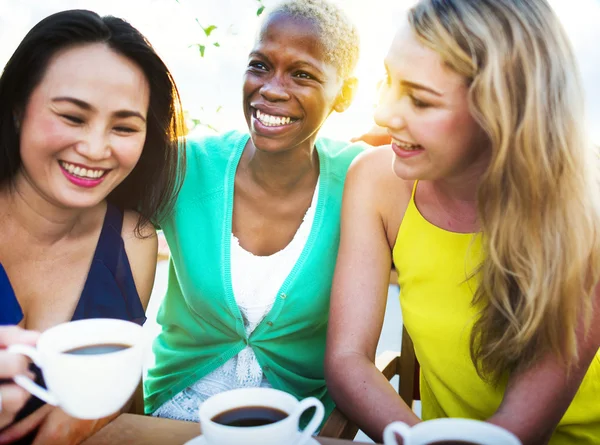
94, 145
390, 112
274, 89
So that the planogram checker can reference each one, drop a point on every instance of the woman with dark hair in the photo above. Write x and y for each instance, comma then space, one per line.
89, 154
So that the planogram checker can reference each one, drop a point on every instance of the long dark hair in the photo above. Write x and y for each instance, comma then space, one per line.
152, 186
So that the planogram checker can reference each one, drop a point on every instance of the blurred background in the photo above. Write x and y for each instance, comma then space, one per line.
205, 44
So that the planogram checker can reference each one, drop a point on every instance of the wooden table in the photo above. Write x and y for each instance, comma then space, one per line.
132, 429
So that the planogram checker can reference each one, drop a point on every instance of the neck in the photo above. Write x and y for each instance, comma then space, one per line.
457, 195
28, 210
282, 173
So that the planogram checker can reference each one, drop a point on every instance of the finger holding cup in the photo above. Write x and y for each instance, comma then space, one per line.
12, 397
91, 367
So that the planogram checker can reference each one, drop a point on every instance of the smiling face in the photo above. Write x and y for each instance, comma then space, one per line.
289, 88
424, 106
84, 126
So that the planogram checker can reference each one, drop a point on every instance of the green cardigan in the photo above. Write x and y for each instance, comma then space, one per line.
202, 326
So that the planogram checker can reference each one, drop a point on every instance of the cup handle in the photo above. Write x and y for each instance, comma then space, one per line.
390, 431
316, 420
25, 382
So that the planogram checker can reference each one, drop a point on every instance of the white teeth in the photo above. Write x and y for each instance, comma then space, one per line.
272, 121
406, 146
82, 172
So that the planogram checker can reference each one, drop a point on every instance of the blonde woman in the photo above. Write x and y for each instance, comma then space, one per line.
487, 203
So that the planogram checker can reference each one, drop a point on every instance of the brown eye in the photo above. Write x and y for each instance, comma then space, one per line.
73, 119
419, 103
303, 75
125, 130
257, 65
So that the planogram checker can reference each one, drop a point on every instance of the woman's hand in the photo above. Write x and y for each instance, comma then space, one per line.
59, 427
12, 396
376, 136
55, 426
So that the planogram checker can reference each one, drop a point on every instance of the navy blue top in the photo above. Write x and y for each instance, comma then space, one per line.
109, 291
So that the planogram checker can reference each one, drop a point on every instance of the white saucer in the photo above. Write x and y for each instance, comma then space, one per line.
201, 441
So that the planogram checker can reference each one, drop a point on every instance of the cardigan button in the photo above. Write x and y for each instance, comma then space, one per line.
269, 323
266, 368
283, 296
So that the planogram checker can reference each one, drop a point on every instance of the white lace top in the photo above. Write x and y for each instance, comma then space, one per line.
256, 281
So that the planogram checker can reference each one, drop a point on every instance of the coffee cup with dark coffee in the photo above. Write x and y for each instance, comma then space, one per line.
264, 416
91, 367
449, 432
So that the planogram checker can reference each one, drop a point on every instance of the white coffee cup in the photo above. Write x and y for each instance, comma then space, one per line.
86, 386
448, 429
285, 431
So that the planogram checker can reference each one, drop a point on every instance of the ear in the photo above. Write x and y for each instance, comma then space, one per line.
346, 94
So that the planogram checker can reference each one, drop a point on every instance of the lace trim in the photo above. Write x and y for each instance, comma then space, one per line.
185, 405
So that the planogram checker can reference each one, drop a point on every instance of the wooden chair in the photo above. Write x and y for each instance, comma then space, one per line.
137, 401
390, 364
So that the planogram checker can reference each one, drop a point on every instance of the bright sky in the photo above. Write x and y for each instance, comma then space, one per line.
214, 82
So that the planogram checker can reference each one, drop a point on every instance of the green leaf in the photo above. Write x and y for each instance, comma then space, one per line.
260, 10
200, 47
209, 29
216, 44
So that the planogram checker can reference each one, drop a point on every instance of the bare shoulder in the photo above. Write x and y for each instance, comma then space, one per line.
373, 168
372, 174
130, 220
142, 249
379, 158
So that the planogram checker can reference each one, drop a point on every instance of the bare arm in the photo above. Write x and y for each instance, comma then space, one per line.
142, 253
536, 399
358, 302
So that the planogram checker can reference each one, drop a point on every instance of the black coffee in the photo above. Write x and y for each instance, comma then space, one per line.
250, 416
103, 348
452, 442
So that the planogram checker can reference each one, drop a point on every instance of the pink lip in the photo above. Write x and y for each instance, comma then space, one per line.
82, 182
402, 153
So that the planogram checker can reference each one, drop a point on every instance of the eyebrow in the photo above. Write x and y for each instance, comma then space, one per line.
418, 86
304, 65
413, 85
86, 106
297, 65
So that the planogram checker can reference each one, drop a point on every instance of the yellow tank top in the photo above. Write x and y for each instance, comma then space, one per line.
435, 273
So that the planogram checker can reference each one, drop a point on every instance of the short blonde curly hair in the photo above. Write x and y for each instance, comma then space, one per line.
338, 34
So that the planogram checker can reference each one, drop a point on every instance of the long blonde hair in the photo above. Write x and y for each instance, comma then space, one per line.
537, 201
